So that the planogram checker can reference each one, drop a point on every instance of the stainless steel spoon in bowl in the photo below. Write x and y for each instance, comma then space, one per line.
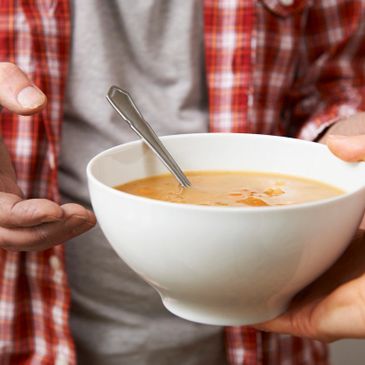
122, 102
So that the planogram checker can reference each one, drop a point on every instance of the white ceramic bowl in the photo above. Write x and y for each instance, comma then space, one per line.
227, 265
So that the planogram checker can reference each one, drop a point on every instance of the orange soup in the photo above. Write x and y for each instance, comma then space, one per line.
232, 188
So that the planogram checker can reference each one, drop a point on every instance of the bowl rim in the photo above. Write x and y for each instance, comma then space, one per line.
205, 208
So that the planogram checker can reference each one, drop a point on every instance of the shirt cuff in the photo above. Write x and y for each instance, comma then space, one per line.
315, 126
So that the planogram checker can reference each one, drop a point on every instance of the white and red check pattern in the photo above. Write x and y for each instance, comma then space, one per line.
34, 296
274, 69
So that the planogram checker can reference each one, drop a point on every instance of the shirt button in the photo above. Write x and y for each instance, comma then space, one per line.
55, 262
286, 2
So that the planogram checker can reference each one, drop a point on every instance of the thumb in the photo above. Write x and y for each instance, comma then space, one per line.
348, 148
17, 92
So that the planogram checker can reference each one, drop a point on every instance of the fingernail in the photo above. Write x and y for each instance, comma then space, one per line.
79, 221
91, 217
76, 220
30, 97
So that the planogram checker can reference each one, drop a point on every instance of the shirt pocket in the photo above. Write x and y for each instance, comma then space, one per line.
285, 8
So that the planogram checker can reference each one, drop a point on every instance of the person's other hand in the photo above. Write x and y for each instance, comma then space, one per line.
346, 139
333, 307
30, 224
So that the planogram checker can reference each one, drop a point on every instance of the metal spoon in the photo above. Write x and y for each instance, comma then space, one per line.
124, 105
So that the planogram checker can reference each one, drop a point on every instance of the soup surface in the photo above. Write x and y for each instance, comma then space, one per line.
232, 188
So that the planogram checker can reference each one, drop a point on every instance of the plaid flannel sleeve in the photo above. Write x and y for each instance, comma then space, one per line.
331, 73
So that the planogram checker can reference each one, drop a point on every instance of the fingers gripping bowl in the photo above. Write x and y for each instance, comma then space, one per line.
227, 265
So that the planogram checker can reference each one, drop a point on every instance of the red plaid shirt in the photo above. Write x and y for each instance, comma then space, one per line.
288, 67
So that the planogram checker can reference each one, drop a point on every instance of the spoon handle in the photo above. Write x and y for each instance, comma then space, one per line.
122, 102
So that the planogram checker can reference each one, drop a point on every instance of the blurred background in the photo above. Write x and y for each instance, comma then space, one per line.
348, 352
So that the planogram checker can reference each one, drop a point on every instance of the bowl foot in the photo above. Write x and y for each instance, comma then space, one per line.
221, 317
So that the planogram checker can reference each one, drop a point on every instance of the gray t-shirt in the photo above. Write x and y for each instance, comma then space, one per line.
154, 49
